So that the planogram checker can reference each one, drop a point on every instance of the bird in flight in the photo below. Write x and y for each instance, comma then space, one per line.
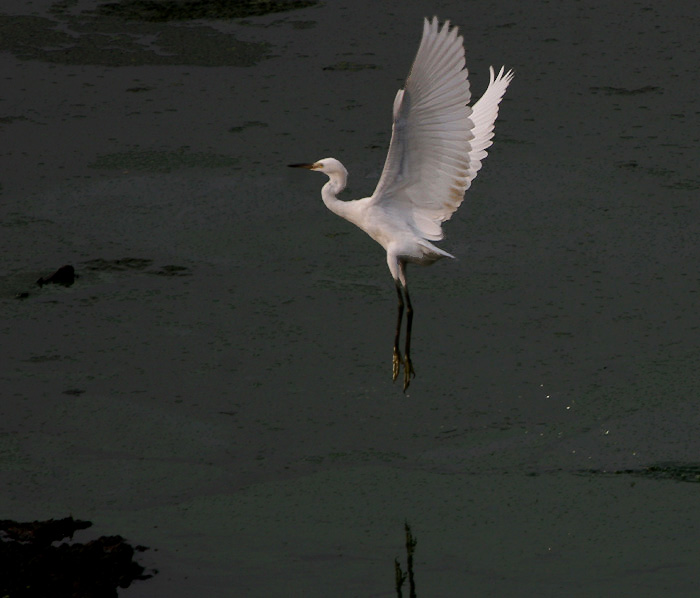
437, 145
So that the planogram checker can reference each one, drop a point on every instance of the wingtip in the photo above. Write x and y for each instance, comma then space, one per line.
427, 24
507, 77
434, 24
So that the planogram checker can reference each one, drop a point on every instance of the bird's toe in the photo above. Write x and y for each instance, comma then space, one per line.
396, 364
408, 372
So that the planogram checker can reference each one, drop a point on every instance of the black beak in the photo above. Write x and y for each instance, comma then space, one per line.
307, 166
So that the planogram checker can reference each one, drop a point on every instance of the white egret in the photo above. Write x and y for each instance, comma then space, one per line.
436, 149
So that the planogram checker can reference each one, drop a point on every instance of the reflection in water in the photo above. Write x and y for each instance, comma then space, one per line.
400, 575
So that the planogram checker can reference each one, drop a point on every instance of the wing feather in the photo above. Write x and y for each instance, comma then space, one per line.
437, 142
484, 113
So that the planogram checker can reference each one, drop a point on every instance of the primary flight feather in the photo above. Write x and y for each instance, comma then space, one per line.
437, 145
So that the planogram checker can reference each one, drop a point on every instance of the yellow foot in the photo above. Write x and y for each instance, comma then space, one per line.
408, 372
396, 364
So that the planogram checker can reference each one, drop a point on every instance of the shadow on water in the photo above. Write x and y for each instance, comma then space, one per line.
399, 573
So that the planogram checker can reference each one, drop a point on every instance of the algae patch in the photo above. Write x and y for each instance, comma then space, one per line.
162, 161
676, 471
182, 10
114, 42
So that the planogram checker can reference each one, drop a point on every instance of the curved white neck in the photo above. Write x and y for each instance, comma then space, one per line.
335, 185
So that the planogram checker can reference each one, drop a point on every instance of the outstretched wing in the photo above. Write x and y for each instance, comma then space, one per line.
484, 113
437, 142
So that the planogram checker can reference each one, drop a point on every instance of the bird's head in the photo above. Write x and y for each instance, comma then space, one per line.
329, 166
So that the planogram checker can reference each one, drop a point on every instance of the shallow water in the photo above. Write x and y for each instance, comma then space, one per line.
216, 384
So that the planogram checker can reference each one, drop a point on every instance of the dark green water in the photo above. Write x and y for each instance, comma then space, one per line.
216, 384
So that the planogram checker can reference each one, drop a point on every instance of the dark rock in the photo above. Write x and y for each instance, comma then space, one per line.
65, 276
32, 566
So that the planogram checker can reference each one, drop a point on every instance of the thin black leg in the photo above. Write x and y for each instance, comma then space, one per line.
408, 366
396, 362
